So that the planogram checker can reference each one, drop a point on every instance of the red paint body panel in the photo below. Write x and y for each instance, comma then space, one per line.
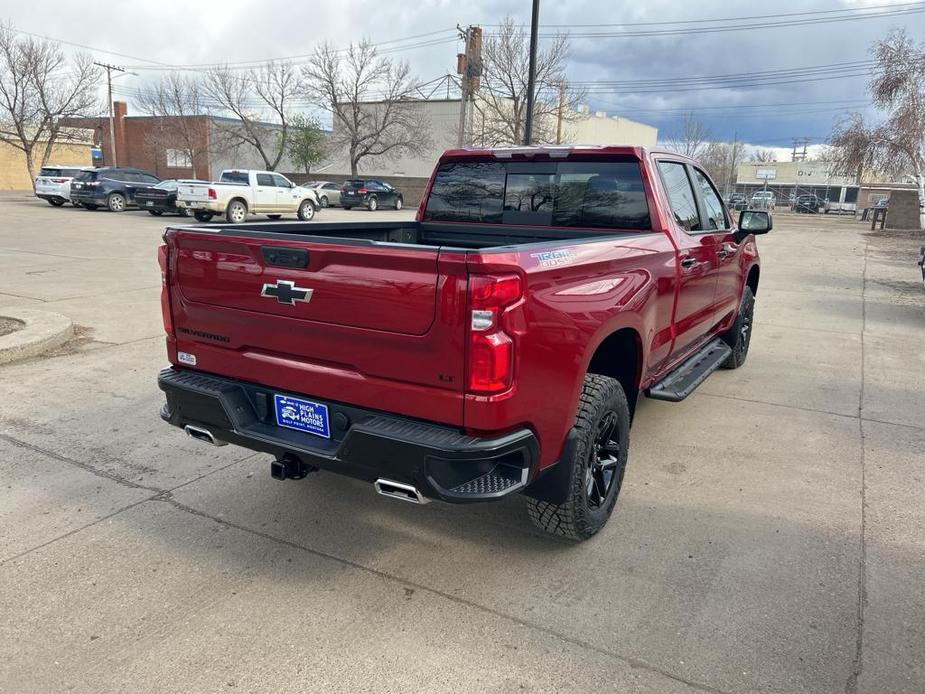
387, 325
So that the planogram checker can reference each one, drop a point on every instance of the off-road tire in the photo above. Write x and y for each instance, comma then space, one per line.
576, 518
739, 336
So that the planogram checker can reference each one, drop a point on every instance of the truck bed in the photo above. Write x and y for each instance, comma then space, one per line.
436, 235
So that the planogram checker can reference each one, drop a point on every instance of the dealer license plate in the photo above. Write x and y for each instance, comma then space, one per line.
302, 415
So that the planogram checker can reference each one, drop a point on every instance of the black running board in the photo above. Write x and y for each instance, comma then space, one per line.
691, 373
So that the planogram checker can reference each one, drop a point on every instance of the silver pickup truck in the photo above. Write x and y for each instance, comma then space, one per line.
239, 193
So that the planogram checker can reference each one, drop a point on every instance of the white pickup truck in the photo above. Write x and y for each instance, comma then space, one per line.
239, 193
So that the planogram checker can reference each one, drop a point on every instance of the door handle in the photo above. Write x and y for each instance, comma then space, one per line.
688, 262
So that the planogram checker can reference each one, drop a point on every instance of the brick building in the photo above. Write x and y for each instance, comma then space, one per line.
174, 147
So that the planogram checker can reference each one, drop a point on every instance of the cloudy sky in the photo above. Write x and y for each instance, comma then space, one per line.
763, 79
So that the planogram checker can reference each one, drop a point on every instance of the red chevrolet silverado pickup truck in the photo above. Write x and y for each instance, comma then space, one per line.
497, 344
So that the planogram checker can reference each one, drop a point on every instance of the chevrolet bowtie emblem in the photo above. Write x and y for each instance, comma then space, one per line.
285, 292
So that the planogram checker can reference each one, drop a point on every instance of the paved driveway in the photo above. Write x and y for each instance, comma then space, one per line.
770, 536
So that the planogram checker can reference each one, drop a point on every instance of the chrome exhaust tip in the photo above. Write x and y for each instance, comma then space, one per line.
400, 491
201, 434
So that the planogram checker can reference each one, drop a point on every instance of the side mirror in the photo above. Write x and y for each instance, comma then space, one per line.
755, 222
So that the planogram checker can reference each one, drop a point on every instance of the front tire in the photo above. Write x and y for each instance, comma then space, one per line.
739, 336
116, 202
306, 211
398, 203
324, 201
597, 466
236, 212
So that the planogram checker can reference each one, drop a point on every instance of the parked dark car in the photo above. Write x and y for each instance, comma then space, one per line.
370, 193
738, 201
156, 200
110, 187
807, 204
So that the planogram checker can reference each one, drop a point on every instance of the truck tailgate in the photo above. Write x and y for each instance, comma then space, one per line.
340, 319
193, 192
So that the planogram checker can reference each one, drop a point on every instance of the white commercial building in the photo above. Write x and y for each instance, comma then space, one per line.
582, 127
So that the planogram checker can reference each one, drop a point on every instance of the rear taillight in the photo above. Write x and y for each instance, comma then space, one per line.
491, 349
212, 194
362, 191
59, 180
163, 261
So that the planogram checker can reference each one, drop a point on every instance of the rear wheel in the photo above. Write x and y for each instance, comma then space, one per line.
202, 216
739, 336
236, 212
306, 211
373, 204
55, 202
116, 202
597, 465
324, 201
398, 203
155, 213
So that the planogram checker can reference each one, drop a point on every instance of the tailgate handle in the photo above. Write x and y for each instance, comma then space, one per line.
284, 257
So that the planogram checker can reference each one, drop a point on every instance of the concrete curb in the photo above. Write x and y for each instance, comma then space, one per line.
43, 330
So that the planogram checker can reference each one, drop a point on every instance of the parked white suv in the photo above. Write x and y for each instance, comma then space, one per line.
764, 200
53, 184
238, 193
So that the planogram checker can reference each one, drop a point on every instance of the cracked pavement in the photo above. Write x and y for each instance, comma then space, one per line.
770, 536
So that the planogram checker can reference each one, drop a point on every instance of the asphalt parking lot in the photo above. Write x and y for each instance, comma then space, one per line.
770, 536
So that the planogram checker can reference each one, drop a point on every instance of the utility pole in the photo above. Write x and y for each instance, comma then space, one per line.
531, 75
560, 114
112, 128
732, 164
469, 66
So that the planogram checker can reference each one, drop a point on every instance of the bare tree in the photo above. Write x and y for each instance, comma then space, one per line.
691, 138
261, 103
39, 88
763, 156
501, 103
175, 102
368, 98
721, 160
896, 146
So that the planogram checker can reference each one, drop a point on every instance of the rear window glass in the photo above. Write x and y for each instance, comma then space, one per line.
58, 172
567, 194
236, 177
353, 185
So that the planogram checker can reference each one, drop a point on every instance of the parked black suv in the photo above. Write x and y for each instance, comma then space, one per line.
109, 186
808, 204
371, 193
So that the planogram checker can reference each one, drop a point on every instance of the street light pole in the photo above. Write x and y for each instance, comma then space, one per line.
112, 129
531, 75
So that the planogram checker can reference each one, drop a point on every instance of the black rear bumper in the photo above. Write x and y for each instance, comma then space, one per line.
441, 462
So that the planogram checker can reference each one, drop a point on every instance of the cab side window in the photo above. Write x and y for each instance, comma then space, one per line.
713, 206
281, 182
681, 196
265, 180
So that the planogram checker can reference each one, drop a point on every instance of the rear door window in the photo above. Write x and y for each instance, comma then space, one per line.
680, 194
265, 180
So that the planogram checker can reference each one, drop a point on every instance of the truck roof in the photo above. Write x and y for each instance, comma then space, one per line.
557, 152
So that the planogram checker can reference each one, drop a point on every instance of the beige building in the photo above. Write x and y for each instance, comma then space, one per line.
13, 172
583, 127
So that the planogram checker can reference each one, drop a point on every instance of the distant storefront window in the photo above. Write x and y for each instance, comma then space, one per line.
179, 159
